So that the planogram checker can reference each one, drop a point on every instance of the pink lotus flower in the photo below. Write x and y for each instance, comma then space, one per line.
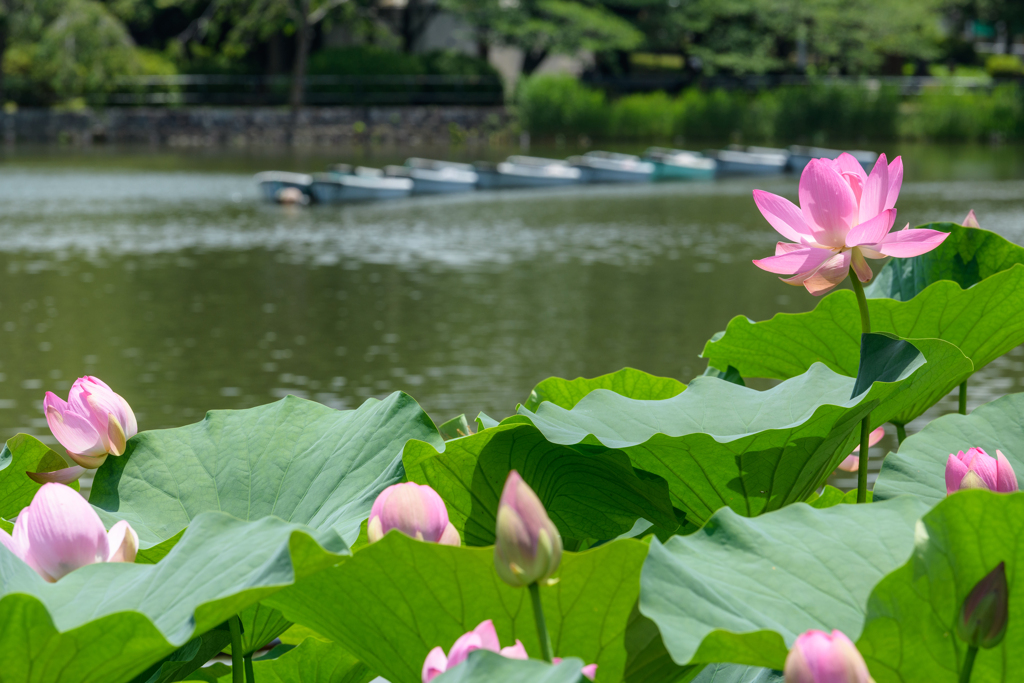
819, 657
527, 545
60, 532
852, 462
483, 637
976, 469
94, 423
415, 510
844, 217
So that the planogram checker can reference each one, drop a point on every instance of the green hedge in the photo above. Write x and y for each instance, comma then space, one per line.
817, 114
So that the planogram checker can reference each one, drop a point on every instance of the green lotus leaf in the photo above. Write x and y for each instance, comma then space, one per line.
919, 467
627, 382
107, 623
21, 454
181, 663
719, 444
910, 631
294, 459
312, 661
967, 256
741, 590
454, 428
490, 667
589, 496
397, 599
260, 625
737, 673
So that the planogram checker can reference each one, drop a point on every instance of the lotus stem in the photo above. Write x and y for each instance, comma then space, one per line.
235, 626
965, 672
901, 433
865, 425
963, 397
250, 675
542, 627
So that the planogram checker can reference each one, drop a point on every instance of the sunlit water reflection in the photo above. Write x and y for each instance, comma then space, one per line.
185, 293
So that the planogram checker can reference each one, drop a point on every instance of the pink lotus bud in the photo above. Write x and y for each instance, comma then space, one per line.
94, 423
852, 462
415, 510
976, 469
60, 532
819, 657
971, 221
483, 637
985, 611
528, 547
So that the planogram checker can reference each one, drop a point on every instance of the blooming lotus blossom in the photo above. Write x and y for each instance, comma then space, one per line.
483, 637
852, 462
60, 532
415, 510
976, 469
819, 657
845, 216
94, 422
527, 547
986, 609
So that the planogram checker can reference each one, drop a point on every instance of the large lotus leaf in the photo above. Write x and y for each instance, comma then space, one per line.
181, 663
489, 667
260, 625
627, 382
984, 322
719, 444
21, 454
741, 590
920, 465
967, 256
737, 673
910, 632
397, 599
294, 459
107, 623
589, 496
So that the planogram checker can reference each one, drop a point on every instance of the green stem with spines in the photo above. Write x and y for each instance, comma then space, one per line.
235, 627
250, 675
542, 627
865, 425
963, 397
965, 671
901, 433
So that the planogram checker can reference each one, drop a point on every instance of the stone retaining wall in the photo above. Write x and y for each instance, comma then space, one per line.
407, 126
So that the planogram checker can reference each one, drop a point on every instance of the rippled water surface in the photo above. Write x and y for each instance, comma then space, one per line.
161, 273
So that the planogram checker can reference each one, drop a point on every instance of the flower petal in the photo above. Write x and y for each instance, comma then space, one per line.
783, 215
971, 221
955, 473
908, 243
873, 230
75, 432
827, 203
787, 248
826, 277
876, 189
895, 182
123, 543
860, 266
1006, 480
63, 476
450, 536
488, 636
63, 531
517, 651
589, 671
434, 665
797, 261
850, 464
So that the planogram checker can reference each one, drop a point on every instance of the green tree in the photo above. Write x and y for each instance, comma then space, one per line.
543, 27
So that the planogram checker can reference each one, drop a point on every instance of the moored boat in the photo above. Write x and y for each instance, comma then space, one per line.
611, 167
362, 184
680, 164
524, 171
737, 160
272, 185
435, 177
801, 155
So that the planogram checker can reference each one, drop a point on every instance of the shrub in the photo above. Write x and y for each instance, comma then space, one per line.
560, 104
645, 116
948, 114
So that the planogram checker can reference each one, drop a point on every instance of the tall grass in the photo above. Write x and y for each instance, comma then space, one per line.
814, 114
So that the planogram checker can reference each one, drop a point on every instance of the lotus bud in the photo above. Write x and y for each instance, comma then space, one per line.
983, 617
93, 423
971, 221
528, 547
819, 657
59, 532
976, 469
415, 510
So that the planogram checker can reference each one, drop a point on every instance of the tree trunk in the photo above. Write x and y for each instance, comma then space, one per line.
532, 59
302, 41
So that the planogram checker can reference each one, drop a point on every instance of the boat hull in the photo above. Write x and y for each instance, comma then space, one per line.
270, 183
607, 175
353, 189
666, 171
489, 180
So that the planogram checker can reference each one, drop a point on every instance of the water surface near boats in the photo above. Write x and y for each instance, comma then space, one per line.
164, 274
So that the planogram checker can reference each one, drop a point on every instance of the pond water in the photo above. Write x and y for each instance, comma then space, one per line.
162, 273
